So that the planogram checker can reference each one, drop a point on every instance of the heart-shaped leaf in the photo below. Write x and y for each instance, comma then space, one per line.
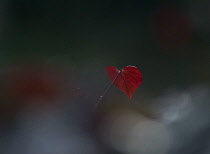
127, 80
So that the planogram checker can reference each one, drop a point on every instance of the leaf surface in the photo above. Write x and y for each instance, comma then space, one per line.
128, 79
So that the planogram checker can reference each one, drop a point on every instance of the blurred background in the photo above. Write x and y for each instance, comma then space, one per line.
53, 56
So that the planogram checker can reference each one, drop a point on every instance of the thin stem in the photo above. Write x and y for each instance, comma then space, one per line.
101, 97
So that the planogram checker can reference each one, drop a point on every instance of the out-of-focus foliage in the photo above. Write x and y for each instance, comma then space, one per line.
52, 60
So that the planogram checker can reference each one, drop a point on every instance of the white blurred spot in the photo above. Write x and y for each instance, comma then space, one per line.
132, 133
172, 106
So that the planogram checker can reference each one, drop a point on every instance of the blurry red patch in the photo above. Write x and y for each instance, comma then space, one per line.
171, 29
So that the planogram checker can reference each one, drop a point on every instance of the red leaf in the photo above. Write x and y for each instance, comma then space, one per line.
128, 79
